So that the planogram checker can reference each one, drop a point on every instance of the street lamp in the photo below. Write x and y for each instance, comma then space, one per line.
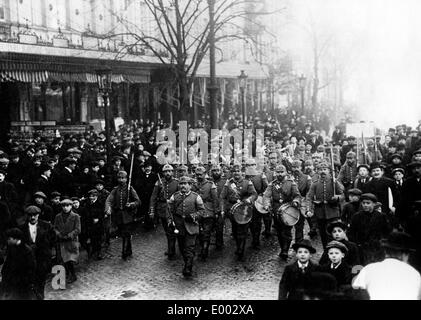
243, 82
302, 81
105, 87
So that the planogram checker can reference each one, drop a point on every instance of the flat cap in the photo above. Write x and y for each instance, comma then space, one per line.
399, 169
65, 202
122, 174
55, 194
337, 245
396, 155
368, 196
93, 192
40, 194
32, 210
323, 165
355, 192
334, 224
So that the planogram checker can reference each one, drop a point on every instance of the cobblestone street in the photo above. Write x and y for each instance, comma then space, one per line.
150, 275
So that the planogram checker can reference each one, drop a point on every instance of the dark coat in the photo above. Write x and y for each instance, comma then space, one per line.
44, 242
379, 187
144, 186
18, 273
342, 273
293, 279
65, 183
349, 210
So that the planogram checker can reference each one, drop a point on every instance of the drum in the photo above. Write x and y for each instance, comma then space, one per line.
242, 213
289, 214
258, 204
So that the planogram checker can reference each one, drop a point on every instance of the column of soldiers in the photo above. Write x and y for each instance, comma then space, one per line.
69, 182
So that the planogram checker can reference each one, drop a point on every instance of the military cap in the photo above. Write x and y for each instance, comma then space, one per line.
99, 181
215, 167
40, 194
236, 167
183, 167
280, 167
185, 179
368, 196
200, 170
93, 191
168, 167
122, 174
65, 202
351, 138
351, 154
14, 233
323, 165
370, 142
337, 223
396, 155
338, 245
399, 169
115, 158
55, 194
32, 210
375, 165
355, 192
74, 199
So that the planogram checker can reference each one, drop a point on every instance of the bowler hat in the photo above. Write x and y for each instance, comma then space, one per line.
337, 245
375, 165
414, 164
304, 244
32, 210
334, 224
399, 241
368, 196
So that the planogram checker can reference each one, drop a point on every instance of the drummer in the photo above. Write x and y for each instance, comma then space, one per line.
282, 190
237, 190
260, 183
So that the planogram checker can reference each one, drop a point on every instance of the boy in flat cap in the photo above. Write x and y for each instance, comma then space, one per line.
337, 230
337, 266
93, 213
296, 275
368, 227
67, 227
46, 213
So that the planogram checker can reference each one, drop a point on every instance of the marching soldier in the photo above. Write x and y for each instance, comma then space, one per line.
121, 204
185, 209
260, 183
323, 200
303, 182
348, 172
282, 190
238, 190
207, 191
162, 192
270, 174
219, 182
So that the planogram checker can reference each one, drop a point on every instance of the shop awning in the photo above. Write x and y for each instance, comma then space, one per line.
25, 76
231, 70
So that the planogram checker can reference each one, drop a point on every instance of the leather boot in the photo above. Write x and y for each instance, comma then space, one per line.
123, 251
129, 246
205, 250
242, 245
171, 249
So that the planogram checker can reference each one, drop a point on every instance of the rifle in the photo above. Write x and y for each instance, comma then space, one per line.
130, 179
171, 216
332, 164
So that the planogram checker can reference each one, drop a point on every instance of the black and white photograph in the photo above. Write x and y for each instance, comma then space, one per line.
210, 150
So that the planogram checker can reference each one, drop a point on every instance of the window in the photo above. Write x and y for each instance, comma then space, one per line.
2, 10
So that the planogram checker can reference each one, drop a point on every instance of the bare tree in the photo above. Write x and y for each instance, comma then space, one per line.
181, 33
